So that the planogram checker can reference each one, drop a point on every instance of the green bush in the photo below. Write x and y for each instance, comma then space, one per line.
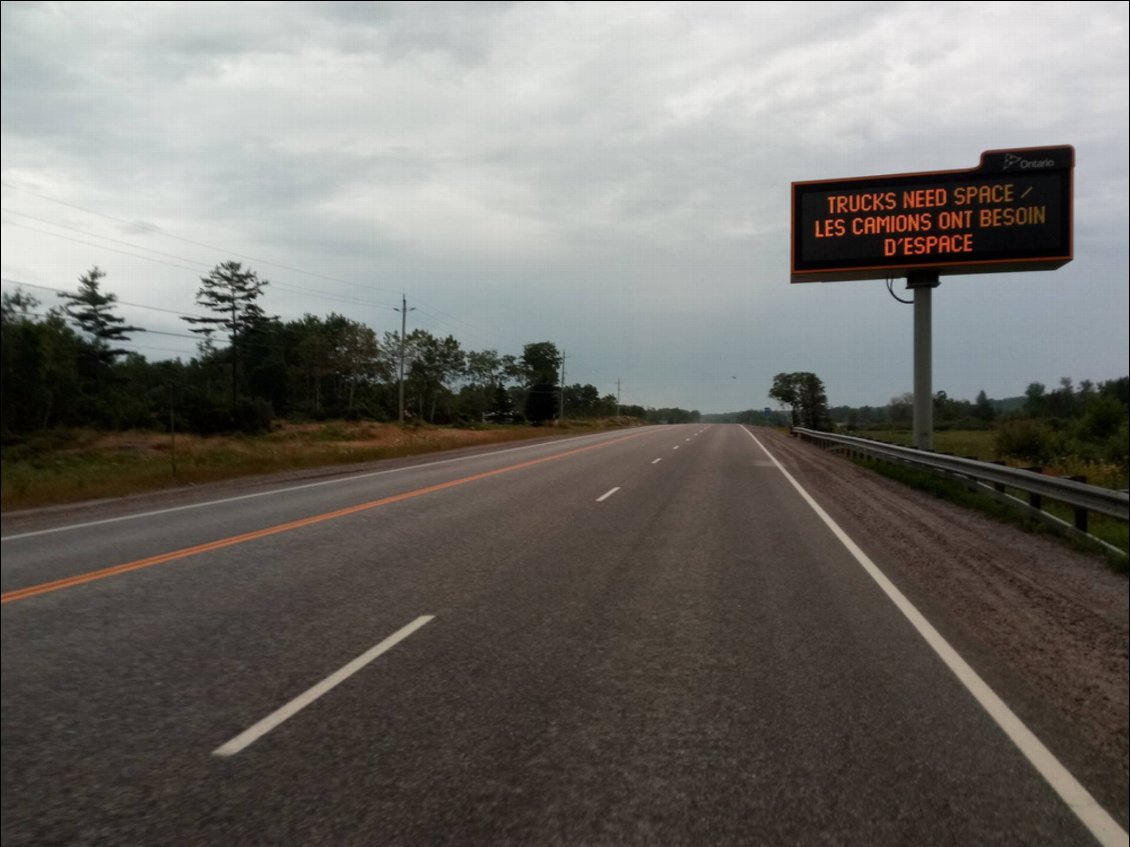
253, 416
1027, 439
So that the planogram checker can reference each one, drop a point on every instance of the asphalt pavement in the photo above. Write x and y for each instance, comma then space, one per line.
640, 637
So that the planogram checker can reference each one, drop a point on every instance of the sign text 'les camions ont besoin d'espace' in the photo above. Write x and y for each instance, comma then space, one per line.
1011, 213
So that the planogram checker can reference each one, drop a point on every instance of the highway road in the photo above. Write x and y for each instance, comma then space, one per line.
652, 636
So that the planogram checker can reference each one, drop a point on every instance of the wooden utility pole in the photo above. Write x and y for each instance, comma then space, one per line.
404, 310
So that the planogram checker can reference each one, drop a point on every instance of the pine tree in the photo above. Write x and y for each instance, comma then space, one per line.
231, 292
91, 311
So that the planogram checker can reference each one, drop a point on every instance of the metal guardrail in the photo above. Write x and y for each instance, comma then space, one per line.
1083, 498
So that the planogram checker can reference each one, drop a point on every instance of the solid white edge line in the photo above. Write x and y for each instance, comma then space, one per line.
254, 733
1093, 816
274, 491
607, 494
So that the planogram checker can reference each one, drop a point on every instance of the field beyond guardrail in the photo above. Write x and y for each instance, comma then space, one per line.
996, 480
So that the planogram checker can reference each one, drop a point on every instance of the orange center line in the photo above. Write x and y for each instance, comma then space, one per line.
219, 544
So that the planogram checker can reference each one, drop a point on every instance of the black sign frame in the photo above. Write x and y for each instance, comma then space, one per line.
1013, 212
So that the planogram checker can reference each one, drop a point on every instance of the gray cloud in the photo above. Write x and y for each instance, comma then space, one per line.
614, 177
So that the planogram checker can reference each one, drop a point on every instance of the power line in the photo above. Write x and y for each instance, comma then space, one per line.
102, 246
21, 284
196, 338
161, 232
283, 286
92, 235
438, 315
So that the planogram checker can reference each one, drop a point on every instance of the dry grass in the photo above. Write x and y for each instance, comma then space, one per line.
89, 465
980, 444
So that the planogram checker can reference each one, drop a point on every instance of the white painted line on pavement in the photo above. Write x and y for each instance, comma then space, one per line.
337, 480
607, 494
676, 447
657, 461
1101, 825
250, 736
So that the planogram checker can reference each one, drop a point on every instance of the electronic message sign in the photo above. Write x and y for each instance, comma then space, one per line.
1011, 213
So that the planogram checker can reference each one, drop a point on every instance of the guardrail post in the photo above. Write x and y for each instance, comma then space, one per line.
1035, 500
999, 486
1080, 512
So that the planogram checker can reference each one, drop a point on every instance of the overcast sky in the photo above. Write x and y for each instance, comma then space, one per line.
614, 178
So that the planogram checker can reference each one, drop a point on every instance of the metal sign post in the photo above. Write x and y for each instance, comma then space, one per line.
1013, 212
923, 286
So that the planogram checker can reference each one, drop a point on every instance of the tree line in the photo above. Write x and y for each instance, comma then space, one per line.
1090, 421
66, 367
802, 401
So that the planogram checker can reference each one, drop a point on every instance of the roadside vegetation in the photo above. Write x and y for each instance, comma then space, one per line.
65, 367
82, 417
1081, 432
67, 466
985, 445
1078, 431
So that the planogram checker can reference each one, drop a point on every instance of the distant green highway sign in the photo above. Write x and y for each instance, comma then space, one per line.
1011, 213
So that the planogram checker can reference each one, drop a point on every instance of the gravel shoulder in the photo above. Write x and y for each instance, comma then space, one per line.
1045, 625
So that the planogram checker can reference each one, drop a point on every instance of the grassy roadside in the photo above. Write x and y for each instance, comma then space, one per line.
69, 467
1109, 530
980, 444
